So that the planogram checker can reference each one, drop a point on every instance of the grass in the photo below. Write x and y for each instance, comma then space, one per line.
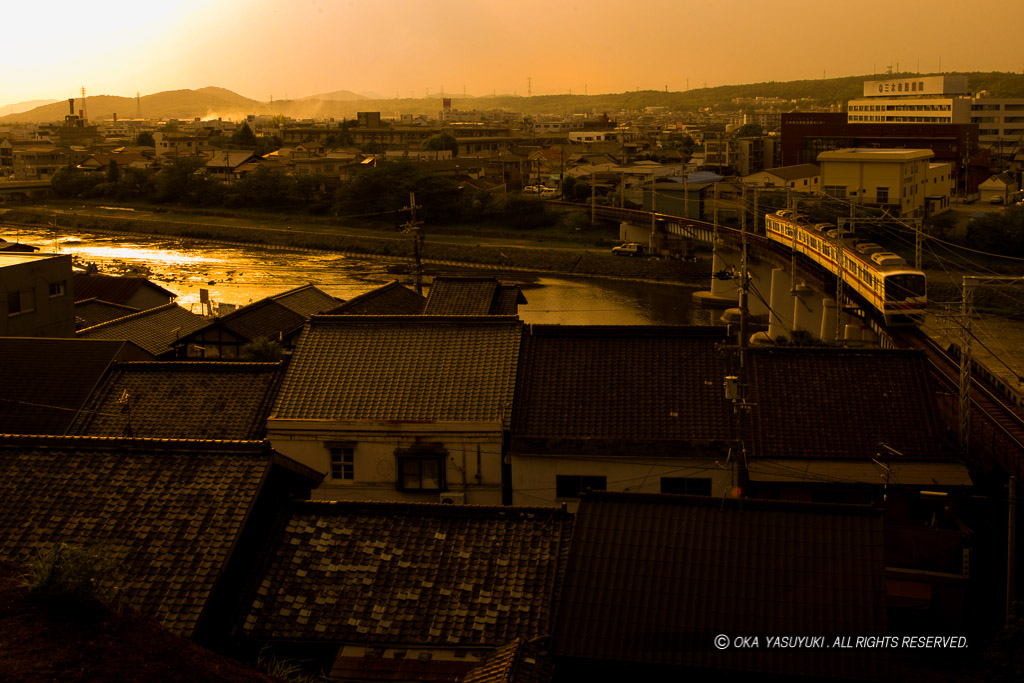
77, 573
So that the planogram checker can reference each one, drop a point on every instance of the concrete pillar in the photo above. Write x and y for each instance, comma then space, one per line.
761, 282
724, 293
780, 320
807, 306
828, 320
725, 289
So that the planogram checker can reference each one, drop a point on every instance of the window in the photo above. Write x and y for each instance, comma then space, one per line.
59, 288
836, 191
421, 468
882, 195
22, 301
690, 486
343, 465
572, 485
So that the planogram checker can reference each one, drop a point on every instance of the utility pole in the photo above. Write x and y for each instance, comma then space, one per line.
415, 228
593, 203
1011, 550
918, 243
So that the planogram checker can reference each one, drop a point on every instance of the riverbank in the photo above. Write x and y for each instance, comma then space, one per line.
507, 253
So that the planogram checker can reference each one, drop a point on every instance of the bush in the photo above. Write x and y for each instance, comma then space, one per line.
526, 214
83, 575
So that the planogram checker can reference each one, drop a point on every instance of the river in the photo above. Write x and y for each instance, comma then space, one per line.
240, 274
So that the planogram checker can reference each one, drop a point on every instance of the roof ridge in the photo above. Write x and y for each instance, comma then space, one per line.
262, 445
726, 502
191, 364
439, 509
137, 314
415, 318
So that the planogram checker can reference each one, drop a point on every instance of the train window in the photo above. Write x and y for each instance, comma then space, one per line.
904, 286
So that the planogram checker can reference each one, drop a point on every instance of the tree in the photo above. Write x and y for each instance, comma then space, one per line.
69, 182
113, 172
999, 232
442, 141
750, 130
263, 187
145, 139
386, 188
261, 350
185, 180
244, 138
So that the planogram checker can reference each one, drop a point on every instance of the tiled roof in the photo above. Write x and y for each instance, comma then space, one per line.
389, 299
114, 289
472, 296
154, 329
520, 661
306, 300
410, 574
402, 368
44, 382
166, 513
182, 400
633, 384
266, 318
653, 579
96, 311
841, 404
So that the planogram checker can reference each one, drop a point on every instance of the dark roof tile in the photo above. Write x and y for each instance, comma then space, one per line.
306, 300
388, 299
96, 311
653, 579
841, 404
466, 575
182, 400
402, 368
167, 513
647, 383
112, 288
154, 329
44, 382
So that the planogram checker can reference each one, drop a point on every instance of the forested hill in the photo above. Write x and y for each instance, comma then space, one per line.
214, 102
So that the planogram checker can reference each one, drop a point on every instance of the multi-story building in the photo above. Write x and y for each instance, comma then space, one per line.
891, 179
918, 99
36, 295
1000, 128
805, 135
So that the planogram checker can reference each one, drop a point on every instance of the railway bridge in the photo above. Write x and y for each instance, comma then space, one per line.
791, 293
788, 292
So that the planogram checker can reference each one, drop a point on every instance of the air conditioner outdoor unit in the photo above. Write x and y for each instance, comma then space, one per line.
453, 498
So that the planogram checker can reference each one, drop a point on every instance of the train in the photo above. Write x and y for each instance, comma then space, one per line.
879, 277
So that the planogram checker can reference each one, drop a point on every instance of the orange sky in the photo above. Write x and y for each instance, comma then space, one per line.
295, 48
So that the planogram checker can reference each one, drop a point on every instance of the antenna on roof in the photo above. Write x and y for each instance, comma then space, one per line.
126, 401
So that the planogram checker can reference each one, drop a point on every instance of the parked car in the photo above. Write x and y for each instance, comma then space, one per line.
996, 200
629, 249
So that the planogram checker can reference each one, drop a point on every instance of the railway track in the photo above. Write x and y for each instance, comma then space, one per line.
997, 426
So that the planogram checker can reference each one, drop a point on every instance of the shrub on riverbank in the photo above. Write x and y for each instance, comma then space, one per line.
539, 259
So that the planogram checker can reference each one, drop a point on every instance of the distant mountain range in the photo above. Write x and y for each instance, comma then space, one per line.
213, 102
18, 107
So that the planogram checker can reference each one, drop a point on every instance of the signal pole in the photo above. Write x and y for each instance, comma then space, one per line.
415, 228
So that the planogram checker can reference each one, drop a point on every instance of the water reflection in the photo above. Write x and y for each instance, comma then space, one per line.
240, 274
